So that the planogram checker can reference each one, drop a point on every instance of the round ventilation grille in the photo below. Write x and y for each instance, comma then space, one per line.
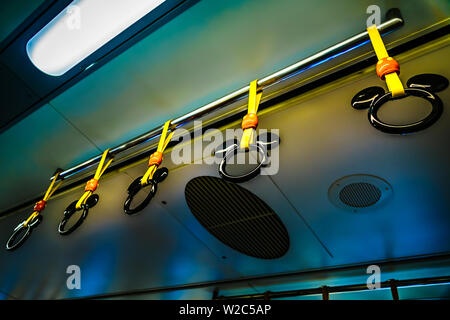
237, 217
359, 192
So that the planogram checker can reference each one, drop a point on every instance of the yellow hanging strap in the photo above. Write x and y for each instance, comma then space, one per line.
387, 67
250, 120
92, 184
157, 156
40, 205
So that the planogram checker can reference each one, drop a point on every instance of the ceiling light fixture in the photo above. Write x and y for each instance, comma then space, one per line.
80, 29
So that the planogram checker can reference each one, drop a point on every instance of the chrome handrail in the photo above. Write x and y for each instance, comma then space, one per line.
239, 94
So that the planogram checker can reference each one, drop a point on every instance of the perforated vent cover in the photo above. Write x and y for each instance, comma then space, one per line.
360, 195
237, 217
359, 192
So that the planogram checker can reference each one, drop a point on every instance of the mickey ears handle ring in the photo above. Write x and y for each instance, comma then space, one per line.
436, 111
87, 201
152, 177
249, 141
26, 226
388, 69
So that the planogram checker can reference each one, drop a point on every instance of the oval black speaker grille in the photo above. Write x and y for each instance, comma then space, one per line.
237, 217
360, 194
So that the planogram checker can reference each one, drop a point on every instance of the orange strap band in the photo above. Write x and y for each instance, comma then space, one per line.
155, 159
387, 65
91, 185
250, 120
387, 68
40, 205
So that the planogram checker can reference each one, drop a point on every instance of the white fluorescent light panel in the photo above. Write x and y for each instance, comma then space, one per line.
81, 28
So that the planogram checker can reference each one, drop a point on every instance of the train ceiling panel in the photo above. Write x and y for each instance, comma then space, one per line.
332, 141
109, 243
166, 245
36, 146
305, 250
14, 93
210, 50
13, 14
181, 66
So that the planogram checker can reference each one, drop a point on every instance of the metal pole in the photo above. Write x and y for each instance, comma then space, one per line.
325, 293
319, 273
394, 291
325, 290
240, 94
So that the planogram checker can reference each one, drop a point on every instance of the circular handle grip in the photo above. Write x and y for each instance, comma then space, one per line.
12, 244
71, 210
133, 190
431, 118
246, 176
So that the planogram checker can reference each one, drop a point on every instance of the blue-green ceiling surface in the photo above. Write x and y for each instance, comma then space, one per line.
204, 53
209, 50
213, 48
13, 13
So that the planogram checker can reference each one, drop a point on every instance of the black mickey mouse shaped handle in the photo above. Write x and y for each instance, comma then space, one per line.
388, 69
152, 176
88, 200
71, 211
248, 142
136, 186
262, 146
423, 86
